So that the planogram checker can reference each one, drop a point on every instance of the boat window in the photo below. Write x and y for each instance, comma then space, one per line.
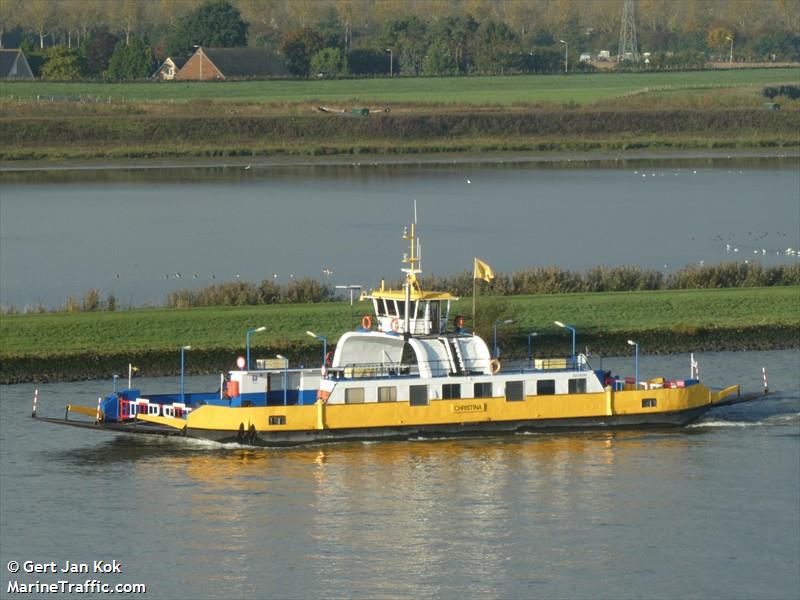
418, 395
546, 387
435, 324
451, 391
391, 310
577, 385
648, 402
354, 395
387, 394
277, 420
381, 308
514, 391
401, 308
483, 389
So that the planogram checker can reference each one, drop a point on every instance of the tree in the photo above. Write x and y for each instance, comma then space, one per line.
62, 64
9, 13
439, 61
364, 61
409, 42
718, 37
39, 15
97, 52
496, 48
297, 48
328, 61
131, 61
216, 24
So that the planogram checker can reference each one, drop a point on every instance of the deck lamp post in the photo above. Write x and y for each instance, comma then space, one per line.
530, 348
324, 344
572, 329
730, 39
636, 360
247, 342
285, 367
496, 323
183, 364
566, 55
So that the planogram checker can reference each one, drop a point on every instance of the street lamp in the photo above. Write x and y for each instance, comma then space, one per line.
247, 342
636, 361
730, 39
183, 363
530, 348
391, 62
496, 323
572, 329
324, 344
285, 367
566, 55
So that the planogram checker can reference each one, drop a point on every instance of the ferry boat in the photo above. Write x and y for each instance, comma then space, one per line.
409, 371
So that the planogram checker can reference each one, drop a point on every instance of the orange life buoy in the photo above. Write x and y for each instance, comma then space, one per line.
395, 325
494, 364
329, 358
366, 322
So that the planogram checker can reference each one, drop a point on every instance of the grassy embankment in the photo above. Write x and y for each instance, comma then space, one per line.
712, 109
51, 347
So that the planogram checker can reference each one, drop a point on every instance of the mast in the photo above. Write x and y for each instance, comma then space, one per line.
411, 271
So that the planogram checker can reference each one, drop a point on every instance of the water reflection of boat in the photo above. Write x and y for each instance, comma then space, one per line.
419, 372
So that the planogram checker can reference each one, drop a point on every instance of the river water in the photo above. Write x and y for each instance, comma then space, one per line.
140, 234
710, 511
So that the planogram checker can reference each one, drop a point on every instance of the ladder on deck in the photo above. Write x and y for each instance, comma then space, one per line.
454, 354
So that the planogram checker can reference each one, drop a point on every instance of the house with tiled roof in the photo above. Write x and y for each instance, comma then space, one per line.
232, 63
14, 65
169, 68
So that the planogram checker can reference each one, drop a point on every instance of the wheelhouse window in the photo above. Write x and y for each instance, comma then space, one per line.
483, 389
545, 387
451, 391
515, 391
380, 307
577, 385
418, 395
648, 403
387, 394
354, 395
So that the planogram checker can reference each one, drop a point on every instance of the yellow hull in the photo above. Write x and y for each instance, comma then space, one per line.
326, 421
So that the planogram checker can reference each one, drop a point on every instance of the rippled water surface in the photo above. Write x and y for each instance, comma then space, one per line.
133, 233
710, 511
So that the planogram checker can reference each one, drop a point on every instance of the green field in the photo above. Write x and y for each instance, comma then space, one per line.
224, 327
524, 89
54, 347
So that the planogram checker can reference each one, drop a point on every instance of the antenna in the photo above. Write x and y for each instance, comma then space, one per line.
628, 46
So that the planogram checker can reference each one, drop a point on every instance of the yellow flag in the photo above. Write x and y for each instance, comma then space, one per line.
483, 271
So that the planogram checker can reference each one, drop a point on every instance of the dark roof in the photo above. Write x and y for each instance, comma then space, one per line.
246, 62
8, 58
178, 62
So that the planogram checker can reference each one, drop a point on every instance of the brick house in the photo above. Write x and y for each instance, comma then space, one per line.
232, 63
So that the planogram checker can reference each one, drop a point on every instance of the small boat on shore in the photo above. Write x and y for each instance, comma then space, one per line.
409, 371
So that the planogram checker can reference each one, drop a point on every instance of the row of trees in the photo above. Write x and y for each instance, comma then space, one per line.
432, 37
